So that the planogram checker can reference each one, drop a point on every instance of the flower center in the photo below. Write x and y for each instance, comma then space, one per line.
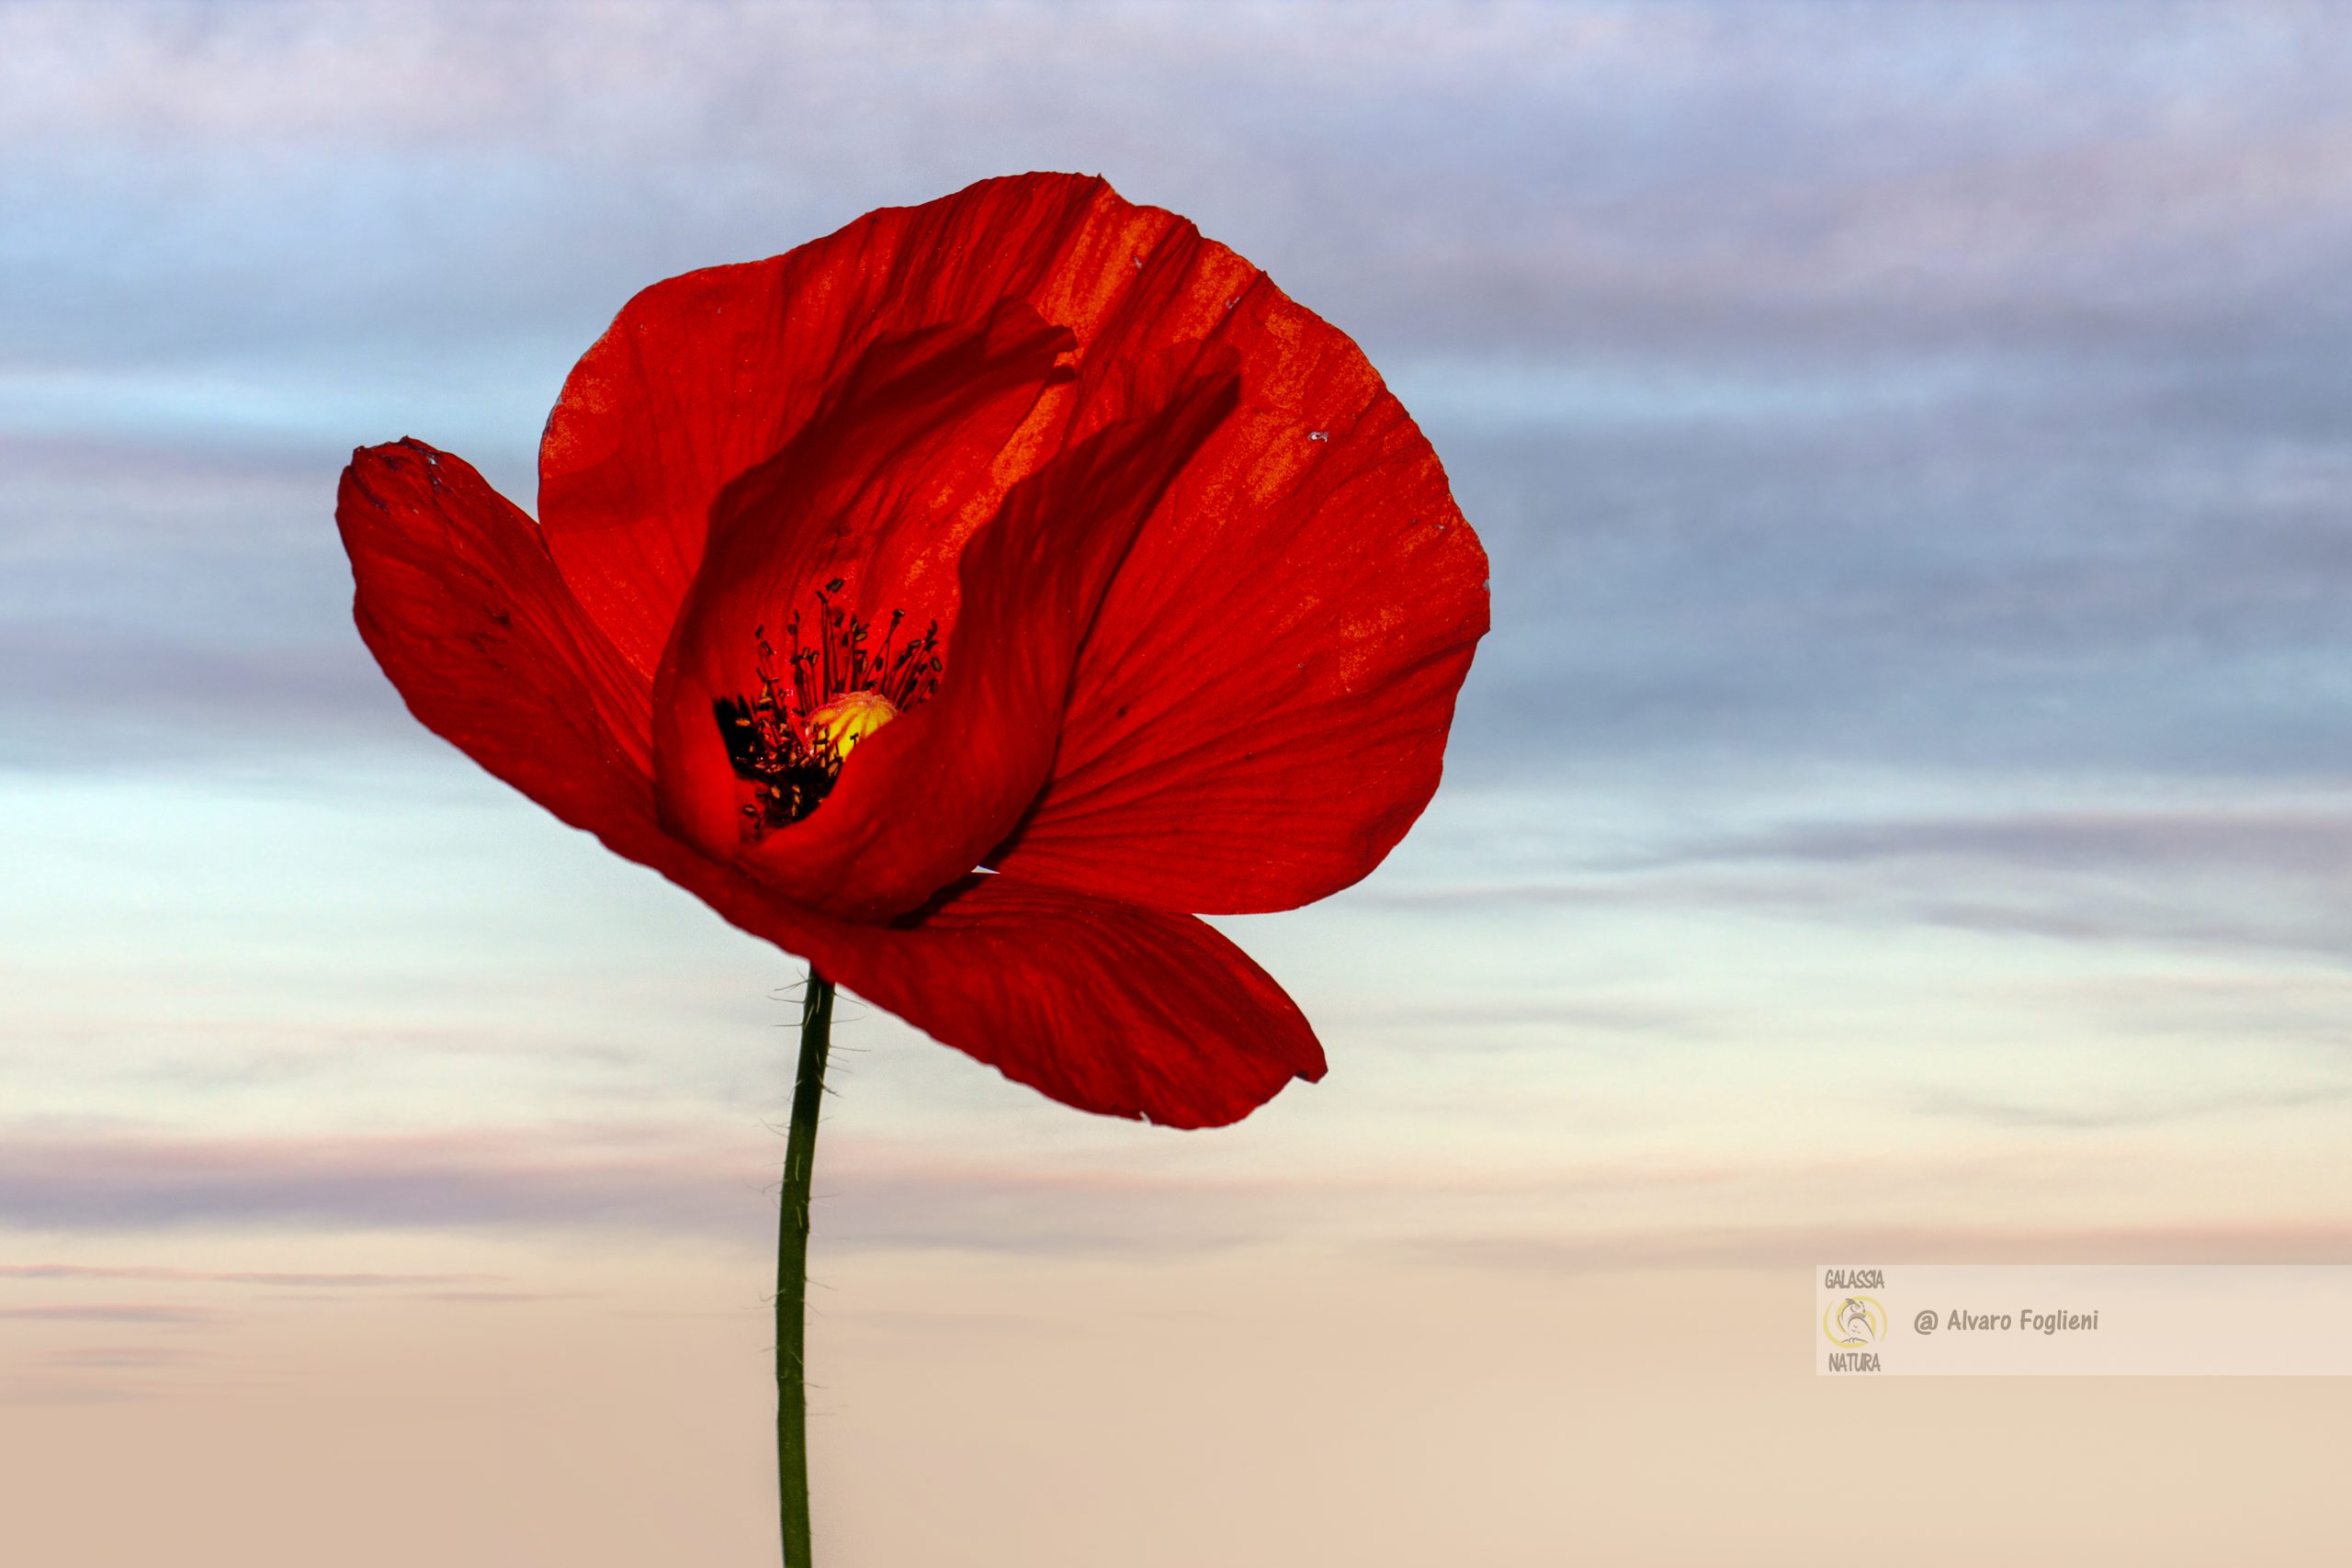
788, 740
842, 724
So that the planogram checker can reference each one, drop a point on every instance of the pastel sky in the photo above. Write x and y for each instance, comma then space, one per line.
1900, 813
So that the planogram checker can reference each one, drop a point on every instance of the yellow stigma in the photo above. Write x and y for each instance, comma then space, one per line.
848, 719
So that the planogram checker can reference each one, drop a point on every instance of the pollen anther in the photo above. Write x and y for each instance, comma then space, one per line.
789, 740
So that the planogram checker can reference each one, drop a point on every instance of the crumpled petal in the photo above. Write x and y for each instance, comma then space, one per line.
459, 603
704, 375
1102, 1005
869, 495
1261, 711
922, 800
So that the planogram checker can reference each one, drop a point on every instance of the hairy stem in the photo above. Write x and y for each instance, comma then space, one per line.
792, 1270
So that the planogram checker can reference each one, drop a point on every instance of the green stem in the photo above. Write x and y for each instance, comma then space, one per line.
792, 1268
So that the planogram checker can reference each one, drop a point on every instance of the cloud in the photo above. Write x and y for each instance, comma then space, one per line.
2251, 877
2093, 1115
109, 1311
669, 1180
2223, 877
1804, 1246
1593, 1016
122, 1357
481, 1179
1163, 1198
2273, 840
40, 1392
344, 1280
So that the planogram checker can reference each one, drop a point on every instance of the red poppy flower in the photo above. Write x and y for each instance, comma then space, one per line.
1025, 530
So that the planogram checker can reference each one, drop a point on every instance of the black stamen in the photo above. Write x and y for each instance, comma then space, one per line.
771, 743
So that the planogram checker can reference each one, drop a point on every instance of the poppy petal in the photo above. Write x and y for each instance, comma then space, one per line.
1261, 710
924, 797
1101, 1005
459, 601
704, 376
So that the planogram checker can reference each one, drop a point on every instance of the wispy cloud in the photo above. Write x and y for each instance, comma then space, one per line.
1798, 1247
123, 1357
39, 1391
2314, 841
111, 1311
489, 1177
234, 1277
2085, 1114
2245, 877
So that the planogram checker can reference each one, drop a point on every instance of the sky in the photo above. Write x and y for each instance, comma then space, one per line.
1899, 812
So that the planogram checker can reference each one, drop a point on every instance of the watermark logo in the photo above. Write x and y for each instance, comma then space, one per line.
2084, 1319
1852, 1322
